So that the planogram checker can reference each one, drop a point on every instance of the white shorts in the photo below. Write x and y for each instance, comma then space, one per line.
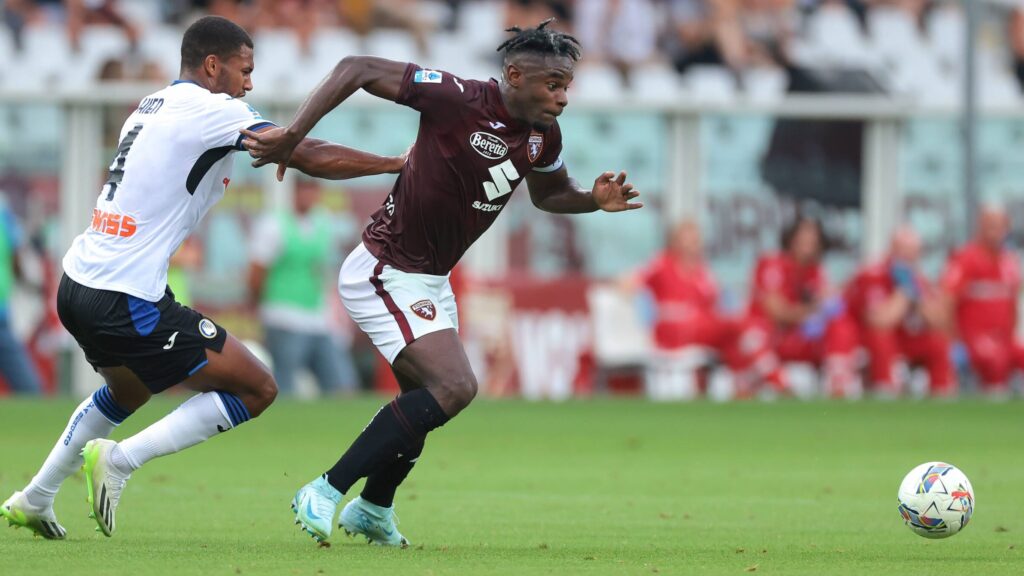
394, 308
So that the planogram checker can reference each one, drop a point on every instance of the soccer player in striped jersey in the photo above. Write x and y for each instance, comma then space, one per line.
172, 165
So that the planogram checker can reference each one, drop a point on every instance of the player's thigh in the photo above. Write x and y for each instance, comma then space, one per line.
236, 369
437, 360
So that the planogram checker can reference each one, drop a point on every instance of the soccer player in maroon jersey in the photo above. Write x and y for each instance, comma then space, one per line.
477, 141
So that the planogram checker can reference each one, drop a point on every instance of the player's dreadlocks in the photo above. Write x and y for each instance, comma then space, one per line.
540, 40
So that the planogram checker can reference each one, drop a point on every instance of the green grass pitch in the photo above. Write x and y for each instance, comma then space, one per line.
588, 487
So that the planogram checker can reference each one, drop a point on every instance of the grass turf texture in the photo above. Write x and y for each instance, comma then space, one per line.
594, 487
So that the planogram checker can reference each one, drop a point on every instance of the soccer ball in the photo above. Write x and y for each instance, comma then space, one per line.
936, 500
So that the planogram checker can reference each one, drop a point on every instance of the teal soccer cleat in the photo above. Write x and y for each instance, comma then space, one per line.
19, 513
315, 505
378, 524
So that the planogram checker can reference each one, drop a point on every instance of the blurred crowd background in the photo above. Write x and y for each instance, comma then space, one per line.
825, 216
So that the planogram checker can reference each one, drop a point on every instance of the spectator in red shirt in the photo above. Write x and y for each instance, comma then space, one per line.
686, 295
899, 314
791, 301
982, 282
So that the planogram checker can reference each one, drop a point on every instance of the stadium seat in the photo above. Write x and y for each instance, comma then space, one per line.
946, 31
46, 48
280, 65
393, 44
448, 51
834, 37
328, 46
764, 84
162, 44
894, 33
621, 342
655, 83
98, 44
479, 23
711, 84
674, 375
597, 83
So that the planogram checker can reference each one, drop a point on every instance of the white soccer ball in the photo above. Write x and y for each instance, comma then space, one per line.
936, 500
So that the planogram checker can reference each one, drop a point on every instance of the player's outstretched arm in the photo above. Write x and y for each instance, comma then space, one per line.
557, 192
380, 77
328, 160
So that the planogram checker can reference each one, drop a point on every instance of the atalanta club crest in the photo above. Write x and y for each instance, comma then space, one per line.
424, 309
535, 146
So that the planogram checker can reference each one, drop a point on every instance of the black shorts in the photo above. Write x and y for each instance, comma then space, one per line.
163, 342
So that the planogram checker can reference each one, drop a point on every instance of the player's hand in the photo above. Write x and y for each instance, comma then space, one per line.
273, 146
612, 194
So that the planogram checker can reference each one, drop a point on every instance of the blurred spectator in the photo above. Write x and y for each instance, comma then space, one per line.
292, 253
900, 314
15, 365
82, 13
300, 16
602, 27
736, 33
686, 297
790, 298
982, 281
364, 16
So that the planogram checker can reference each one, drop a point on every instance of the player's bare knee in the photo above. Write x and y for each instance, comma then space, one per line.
263, 395
460, 390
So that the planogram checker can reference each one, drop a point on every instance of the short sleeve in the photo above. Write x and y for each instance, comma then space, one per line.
265, 243
434, 91
225, 118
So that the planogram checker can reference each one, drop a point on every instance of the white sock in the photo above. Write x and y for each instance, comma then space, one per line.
197, 419
87, 422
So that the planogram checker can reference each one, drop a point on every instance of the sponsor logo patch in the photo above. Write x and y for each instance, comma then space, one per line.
488, 145
424, 309
535, 146
427, 77
207, 328
113, 224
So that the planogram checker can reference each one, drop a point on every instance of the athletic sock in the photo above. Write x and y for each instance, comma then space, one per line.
398, 428
95, 417
197, 419
381, 485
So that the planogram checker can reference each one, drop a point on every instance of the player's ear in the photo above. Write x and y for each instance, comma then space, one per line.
513, 75
210, 65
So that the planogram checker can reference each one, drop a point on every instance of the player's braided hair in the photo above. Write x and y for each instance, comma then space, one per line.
540, 40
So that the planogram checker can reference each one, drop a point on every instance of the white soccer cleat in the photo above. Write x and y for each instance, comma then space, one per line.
104, 483
42, 521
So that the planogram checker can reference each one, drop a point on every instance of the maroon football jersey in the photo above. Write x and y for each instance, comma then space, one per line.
468, 158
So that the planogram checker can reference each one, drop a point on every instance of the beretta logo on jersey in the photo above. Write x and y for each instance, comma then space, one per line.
488, 145
535, 146
207, 328
424, 309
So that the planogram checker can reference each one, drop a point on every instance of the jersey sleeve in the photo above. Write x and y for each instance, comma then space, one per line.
225, 118
434, 91
550, 159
